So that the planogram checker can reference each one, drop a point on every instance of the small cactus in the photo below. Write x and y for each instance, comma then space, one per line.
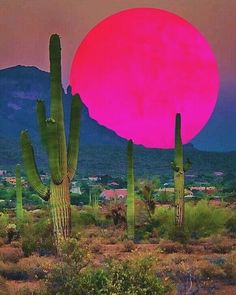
179, 168
130, 197
19, 205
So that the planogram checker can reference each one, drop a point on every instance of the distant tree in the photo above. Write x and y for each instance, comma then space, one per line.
146, 190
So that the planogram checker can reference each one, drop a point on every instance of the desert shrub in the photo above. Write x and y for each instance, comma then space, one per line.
112, 278
96, 246
168, 246
163, 221
3, 287
204, 220
201, 220
230, 266
16, 244
83, 217
37, 234
231, 223
146, 191
63, 278
206, 271
29, 291
74, 253
11, 271
165, 197
142, 215
4, 221
2, 242
128, 246
116, 211
10, 254
219, 244
35, 266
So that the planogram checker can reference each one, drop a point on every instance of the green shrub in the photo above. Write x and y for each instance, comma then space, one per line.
120, 278
201, 220
231, 223
83, 217
4, 221
37, 234
204, 220
163, 221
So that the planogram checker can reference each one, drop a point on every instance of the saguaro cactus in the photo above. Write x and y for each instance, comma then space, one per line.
19, 205
62, 159
130, 198
179, 168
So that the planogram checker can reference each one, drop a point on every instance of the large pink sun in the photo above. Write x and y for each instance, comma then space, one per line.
137, 68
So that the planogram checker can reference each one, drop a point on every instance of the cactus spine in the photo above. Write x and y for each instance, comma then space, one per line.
130, 197
62, 159
179, 168
19, 205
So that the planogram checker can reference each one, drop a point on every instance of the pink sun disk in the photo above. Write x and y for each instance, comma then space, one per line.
136, 69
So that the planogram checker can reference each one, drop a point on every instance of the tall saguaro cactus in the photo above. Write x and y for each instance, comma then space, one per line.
62, 159
19, 205
130, 197
179, 168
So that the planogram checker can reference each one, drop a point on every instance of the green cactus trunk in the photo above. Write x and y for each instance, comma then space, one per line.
61, 210
130, 216
19, 204
62, 159
179, 175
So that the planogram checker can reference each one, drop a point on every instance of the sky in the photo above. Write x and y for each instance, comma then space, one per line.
25, 27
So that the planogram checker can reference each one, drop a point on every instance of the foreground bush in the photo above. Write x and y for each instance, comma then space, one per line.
73, 276
37, 234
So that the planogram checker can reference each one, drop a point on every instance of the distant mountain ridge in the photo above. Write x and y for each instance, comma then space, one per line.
102, 151
20, 87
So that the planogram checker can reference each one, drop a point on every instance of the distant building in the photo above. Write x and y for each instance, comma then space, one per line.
218, 173
11, 180
76, 190
93, 178
3, 172
113, 184
171, 190
109, 194
206, 189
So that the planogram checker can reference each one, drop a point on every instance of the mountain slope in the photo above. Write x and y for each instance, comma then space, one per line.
20, 86
102, 151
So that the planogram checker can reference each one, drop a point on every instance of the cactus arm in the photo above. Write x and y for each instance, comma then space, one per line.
41, 116
73, 145
187, 165
53, 151
31, 168
178, 143
130, 196
19, 205
174, 166
57, 112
